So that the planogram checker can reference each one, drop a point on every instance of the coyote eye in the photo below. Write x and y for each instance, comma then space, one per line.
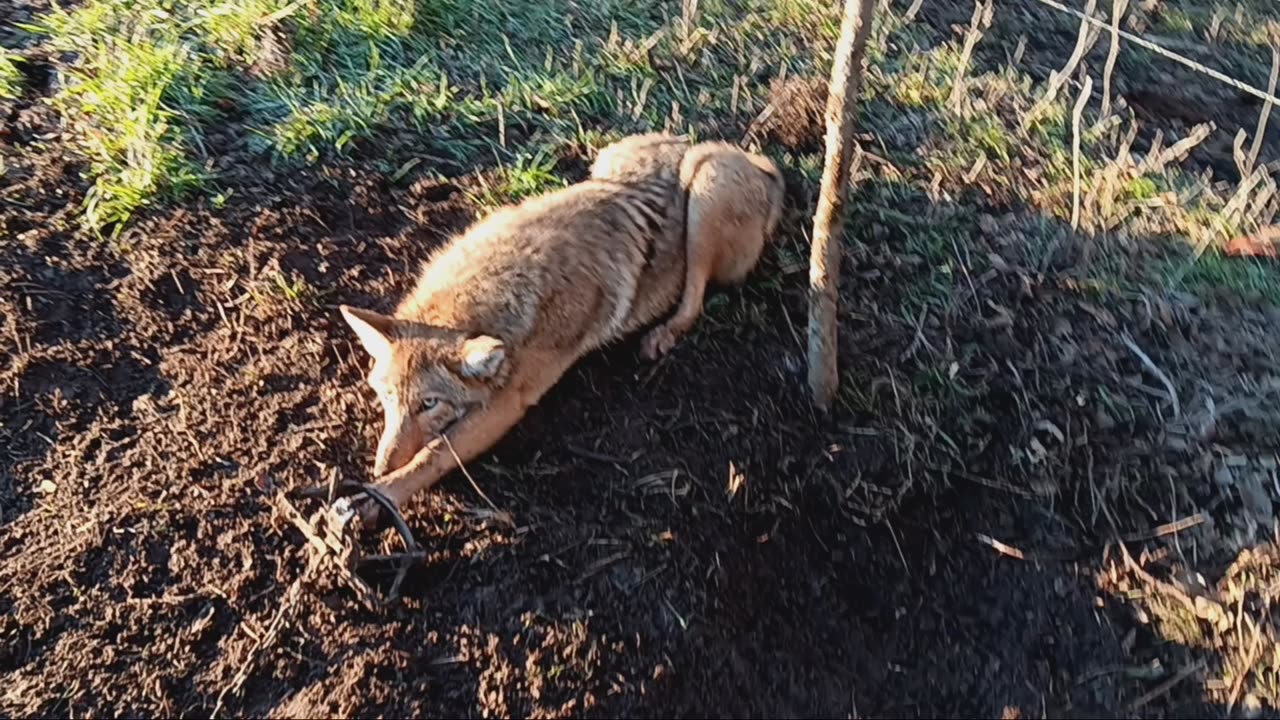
430, 404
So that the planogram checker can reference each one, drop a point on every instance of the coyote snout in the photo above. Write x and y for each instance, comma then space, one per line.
427, 379
502, 311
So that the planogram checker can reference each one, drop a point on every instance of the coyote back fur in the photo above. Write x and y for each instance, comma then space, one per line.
502, 311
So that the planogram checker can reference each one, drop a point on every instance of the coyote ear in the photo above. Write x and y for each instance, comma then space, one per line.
482, 357
373, 329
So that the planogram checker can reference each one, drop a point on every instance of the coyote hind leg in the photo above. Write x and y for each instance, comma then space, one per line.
728, 216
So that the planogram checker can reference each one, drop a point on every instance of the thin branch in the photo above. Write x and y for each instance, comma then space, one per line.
1118, 8
470, 479
912, 11
1084, 41
983, 11
1164, 687
1076, 115
1261, 133
828, 221
1156, 371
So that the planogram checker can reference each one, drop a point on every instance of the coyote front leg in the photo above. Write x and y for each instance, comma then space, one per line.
472, 436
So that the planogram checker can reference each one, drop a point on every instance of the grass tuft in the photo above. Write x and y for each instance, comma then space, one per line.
10, 76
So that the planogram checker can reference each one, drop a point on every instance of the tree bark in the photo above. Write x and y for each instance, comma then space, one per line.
828, 220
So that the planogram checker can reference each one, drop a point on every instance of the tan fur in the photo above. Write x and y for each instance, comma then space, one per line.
502, 311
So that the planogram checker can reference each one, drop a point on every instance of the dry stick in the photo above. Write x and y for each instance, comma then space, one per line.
293, 515
1238, 685
1170, 528
1167, 53
1058, 78
1156, 371
1118, 8
1215, 25
689, 13
912, 11
984, 482
1076, 115
1169, 589
1248, 183
828, 221
1164, 687
1018, 51
280, 14
982, 14
1156, 161
1000, 547
470, 479
1258, 136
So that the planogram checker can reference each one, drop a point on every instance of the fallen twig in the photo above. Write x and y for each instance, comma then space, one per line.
1164, 687
293, 515
1155, 371
1260, 134
912, 11
901, 556
1166, 53
1118, 8
1000, 547
1170, 528
1169, 589
1254, 650
982, 14
1077, 115
502, 514
1057, 78
984, 482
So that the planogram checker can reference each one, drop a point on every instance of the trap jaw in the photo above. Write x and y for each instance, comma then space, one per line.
340, 523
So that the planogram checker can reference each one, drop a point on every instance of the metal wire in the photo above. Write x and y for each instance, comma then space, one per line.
1159, 50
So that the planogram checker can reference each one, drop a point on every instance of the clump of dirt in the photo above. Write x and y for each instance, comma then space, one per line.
794, 114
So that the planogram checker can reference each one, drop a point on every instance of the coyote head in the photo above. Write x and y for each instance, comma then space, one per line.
426, 378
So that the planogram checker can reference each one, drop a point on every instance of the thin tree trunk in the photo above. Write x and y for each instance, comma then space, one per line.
828, 221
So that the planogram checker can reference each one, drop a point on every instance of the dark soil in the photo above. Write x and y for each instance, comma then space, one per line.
689, 538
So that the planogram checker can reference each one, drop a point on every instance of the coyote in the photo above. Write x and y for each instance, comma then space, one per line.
502, 311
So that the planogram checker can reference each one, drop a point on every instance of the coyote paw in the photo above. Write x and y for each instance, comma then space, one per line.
657, 343
373, 514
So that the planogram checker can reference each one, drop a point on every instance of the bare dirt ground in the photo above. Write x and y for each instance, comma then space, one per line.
687, 537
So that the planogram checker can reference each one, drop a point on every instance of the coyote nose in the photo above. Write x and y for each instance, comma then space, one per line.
396, 448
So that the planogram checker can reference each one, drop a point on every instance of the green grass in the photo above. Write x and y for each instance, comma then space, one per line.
139, 88
508, 90
1214, 271
10, 76
527, 176
303, 81
1175, 21
154, 76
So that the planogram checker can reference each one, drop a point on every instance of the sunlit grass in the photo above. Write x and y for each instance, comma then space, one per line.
515, 85
527, 176
10, 76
